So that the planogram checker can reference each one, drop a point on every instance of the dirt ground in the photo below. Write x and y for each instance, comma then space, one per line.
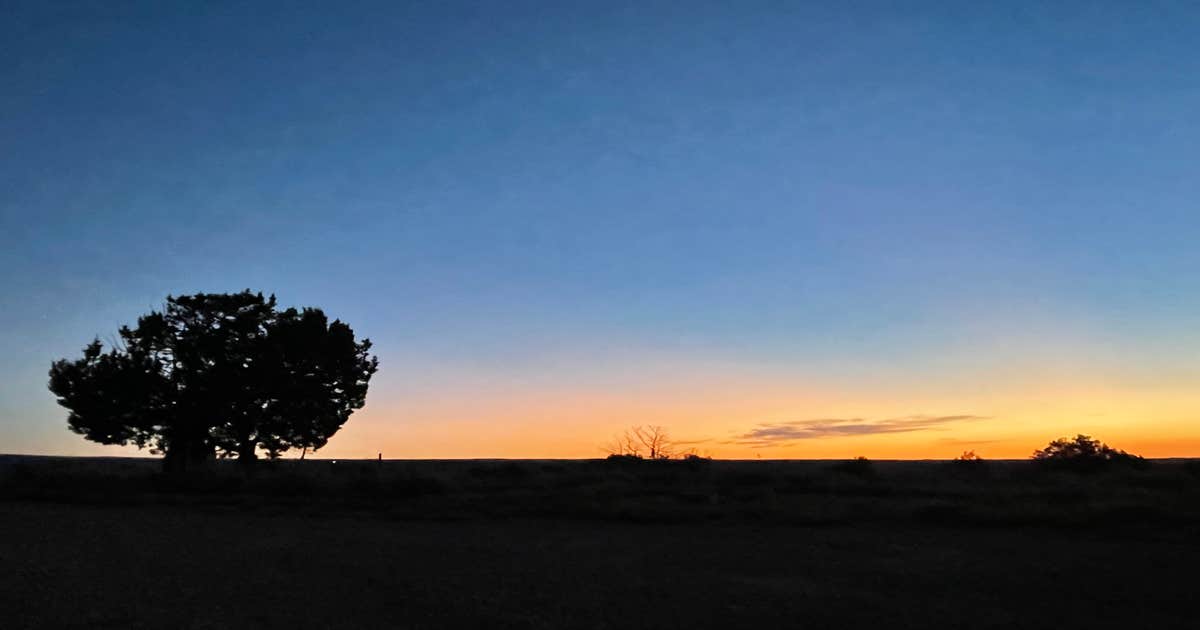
65, 566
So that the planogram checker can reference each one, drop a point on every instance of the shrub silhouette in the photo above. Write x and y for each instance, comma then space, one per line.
968, 457
1083, 453
969, 461
623, 458
859, 467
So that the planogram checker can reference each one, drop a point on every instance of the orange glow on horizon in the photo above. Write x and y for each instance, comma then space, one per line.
711, 408
713, 417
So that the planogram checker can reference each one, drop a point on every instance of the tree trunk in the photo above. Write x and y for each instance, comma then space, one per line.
247, 458
188, 457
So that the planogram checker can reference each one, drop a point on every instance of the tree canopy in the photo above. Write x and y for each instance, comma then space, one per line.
218, 375
1084, 453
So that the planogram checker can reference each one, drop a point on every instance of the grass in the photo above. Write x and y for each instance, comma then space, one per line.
793, 492
592, 544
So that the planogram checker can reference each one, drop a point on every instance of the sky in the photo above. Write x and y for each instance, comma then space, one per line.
778, 229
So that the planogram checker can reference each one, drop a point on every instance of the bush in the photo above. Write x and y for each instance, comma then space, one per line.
1084, 454
969, 462
859, 467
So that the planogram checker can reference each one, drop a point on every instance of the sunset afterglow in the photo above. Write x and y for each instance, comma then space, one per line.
800, 233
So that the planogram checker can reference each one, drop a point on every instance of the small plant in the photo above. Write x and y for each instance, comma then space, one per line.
969, 462
859, 467
1082, 453
969, 457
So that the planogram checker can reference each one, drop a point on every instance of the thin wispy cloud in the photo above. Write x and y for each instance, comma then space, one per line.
782, 433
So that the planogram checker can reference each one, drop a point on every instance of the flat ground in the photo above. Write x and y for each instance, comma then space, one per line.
113, 543
66, 566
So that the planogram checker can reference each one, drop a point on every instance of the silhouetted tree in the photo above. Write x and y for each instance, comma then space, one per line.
218, 374
651, 442
1083, 453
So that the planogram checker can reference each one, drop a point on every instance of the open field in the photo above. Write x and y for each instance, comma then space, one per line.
106, 543
157, 567
996, 493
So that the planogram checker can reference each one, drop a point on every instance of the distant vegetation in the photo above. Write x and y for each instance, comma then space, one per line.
1084, 454
859, 466
970, 463
212, 375
649, 442
963, 491
969, 457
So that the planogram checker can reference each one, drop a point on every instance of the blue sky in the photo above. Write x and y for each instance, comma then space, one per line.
553, 195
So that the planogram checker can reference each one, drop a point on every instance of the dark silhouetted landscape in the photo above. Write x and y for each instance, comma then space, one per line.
599, 315
101, 542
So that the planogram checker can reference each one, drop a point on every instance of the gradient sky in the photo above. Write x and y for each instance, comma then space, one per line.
778, 229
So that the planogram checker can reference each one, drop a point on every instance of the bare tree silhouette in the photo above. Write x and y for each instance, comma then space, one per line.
651, 442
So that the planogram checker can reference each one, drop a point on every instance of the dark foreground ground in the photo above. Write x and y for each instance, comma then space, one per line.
124, 555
